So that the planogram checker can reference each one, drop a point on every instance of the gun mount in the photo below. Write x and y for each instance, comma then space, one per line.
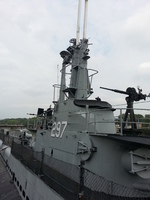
133, 95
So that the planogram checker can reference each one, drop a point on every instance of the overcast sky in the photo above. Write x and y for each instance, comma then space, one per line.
33, 32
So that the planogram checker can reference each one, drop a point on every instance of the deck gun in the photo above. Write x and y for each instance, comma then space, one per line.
133, 95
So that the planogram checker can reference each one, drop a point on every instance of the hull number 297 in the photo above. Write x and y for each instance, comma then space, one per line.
58, 129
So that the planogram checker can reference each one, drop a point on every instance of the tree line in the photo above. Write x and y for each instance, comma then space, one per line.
16, 121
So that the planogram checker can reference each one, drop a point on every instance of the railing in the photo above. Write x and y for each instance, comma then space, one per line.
56, 93
92, 121
142, 122
70, 181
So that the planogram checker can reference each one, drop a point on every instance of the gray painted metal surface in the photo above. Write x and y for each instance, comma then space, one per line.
78, 129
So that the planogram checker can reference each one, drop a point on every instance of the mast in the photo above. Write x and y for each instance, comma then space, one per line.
77, 56
85, 19
63, 83
78, 23
79, 77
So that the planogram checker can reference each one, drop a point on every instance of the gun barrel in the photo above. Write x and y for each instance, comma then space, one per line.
114, 90
31, 114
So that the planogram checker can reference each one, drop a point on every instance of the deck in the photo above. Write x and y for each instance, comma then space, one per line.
8, 190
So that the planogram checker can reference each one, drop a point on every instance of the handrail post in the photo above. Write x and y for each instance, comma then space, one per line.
121, 125
87, 118
81, 184
94, 123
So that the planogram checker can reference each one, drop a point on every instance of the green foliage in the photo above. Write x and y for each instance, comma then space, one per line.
147, 116
14, 121
137, 116
145, 120
18, 121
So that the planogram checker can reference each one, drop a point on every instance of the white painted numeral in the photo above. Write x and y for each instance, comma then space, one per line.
53, 129
65, 124
58, 129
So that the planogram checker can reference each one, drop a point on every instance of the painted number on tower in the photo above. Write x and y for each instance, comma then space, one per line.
58, 129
